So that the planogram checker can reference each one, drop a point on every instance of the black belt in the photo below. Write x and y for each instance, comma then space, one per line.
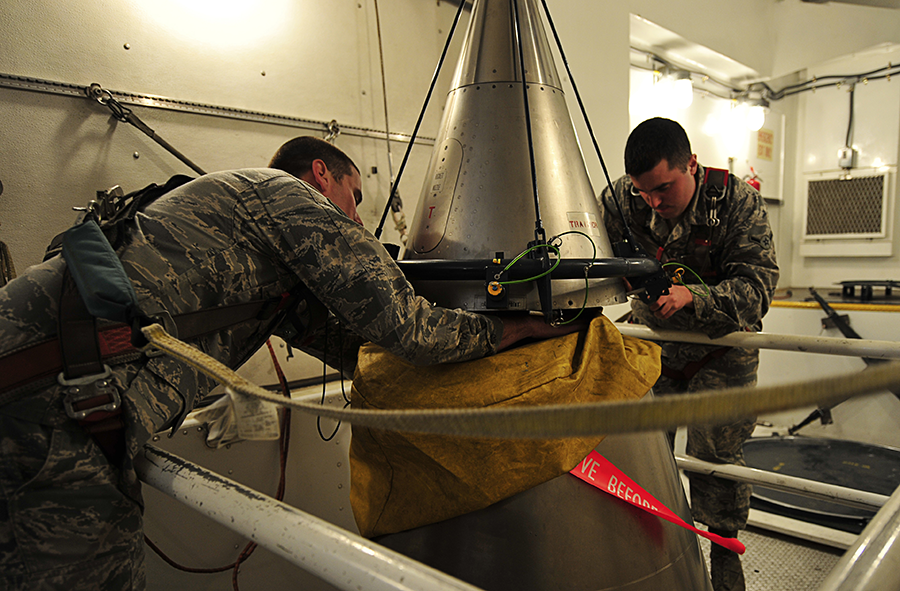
44, 359
81, 356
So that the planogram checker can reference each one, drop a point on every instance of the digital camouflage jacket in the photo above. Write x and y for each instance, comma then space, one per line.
736, 258
229, 238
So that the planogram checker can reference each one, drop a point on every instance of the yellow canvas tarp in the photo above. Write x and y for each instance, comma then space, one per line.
403, 480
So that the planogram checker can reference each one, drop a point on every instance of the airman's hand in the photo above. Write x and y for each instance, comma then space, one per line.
516, 328
679, 297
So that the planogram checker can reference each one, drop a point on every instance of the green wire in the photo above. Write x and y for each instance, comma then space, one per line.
694, 273
523, 253
594, 246
550, 270
586, 282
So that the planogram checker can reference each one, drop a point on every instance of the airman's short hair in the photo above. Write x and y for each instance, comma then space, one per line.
296, 157
654, 140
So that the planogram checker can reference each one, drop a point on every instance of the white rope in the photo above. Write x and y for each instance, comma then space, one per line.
571, 420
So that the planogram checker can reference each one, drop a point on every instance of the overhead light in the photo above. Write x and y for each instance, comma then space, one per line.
221, 24
682, 89
756, 113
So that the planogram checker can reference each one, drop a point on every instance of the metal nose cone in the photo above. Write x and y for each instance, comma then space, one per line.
491, 49
478, 198
566, 535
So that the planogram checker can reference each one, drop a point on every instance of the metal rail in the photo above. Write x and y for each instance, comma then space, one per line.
343, 559
858, 499
873, 562
475, 269
763, 340
158, 102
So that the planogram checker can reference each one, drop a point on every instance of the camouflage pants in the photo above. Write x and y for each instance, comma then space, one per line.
64, 523
718, 503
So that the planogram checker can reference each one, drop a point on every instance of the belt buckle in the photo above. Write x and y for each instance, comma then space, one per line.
86, 388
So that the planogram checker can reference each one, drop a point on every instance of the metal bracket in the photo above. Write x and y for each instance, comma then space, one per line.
496, 294
106, 204
86, 388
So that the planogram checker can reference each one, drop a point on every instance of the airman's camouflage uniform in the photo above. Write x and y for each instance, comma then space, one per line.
68, 519
736, 259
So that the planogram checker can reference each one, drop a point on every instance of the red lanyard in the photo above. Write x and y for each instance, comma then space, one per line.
600, 472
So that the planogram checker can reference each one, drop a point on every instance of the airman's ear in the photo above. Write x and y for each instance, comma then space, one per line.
321, 176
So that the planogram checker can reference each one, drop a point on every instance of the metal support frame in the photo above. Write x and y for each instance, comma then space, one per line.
873, 562
849, 497
341, 558
350, 562
762, 340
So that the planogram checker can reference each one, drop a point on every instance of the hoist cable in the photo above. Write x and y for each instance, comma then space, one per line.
627, 230
544, 286
538, 223
563, 420
395, 202
415, 132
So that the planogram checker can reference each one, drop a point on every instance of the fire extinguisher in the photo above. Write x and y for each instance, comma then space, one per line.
753, 179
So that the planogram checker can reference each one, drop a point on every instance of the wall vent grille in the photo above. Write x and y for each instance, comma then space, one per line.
846, 207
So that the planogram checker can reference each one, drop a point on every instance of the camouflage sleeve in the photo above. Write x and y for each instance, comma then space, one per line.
746, 261
352, 274
609, 212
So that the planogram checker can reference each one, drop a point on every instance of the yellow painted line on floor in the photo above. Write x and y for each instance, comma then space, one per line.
839, 306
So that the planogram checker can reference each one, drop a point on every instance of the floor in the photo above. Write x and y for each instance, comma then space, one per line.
774, 562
